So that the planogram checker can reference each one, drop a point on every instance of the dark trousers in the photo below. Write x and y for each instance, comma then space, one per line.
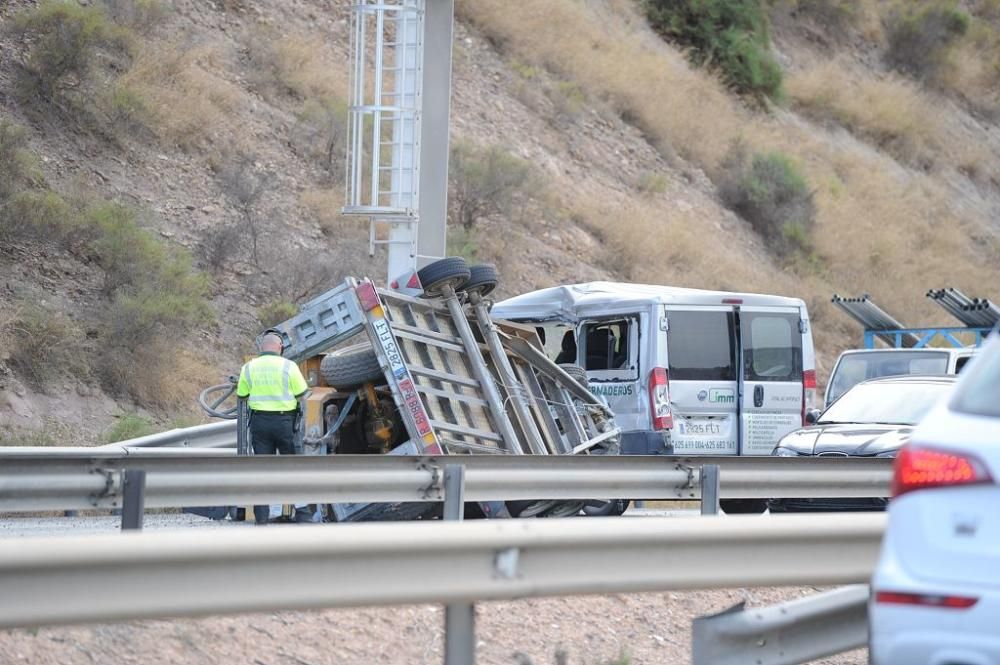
271, 433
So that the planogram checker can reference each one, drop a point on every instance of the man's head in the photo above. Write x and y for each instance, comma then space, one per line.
270, 342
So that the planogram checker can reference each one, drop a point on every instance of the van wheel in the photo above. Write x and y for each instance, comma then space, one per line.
611, 508
483, 279
743, 506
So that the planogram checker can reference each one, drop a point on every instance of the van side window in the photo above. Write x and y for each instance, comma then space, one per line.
700, 346
772, 347
606, 345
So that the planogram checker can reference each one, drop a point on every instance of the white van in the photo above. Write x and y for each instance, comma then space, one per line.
687, 372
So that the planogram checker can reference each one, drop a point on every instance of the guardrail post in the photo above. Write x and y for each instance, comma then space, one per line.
459, 618
134, 499
710, 489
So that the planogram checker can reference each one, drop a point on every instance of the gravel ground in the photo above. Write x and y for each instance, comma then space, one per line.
579, 630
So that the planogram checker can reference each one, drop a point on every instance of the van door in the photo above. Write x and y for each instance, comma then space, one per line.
773, 393
702, 372
609, 351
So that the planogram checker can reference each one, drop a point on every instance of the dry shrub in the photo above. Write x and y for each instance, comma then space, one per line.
45, 345
658, 90
674, 245
324, 206
975, 75
894, 114
299, 65
184, 99
157, 374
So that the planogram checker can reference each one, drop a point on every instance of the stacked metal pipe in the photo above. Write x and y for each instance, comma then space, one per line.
972, 312
873, 317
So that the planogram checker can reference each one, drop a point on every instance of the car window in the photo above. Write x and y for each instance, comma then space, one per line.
979, 390
607, 344
772, 347
700, 346
898, 403
857, 367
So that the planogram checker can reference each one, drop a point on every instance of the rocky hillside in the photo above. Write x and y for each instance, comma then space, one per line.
171, 172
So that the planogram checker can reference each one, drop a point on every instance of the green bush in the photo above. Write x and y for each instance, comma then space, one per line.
129, 426
45, 346
769, 191
922, 34
732, 35
486, 181
20, 167
276, 311
66, 39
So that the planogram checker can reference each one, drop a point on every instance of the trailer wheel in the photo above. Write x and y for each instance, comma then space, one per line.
743, 506
483, 279
451, 271
352, 367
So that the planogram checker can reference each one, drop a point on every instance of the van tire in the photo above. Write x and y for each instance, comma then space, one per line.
612, 508
352, 367
452, 271
743, 506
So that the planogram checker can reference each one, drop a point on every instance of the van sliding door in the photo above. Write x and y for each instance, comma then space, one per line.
702, 371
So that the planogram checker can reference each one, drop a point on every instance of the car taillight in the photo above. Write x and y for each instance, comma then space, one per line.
898, 598
659, 399
808, 392
918, 468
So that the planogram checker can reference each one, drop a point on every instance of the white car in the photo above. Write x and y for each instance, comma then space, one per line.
936, 590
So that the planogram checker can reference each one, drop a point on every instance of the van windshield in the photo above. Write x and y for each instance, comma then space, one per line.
854, 368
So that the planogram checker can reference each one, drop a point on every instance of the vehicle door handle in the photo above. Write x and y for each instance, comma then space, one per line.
758, 396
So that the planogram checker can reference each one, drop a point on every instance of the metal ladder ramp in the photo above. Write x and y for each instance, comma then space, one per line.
449, 375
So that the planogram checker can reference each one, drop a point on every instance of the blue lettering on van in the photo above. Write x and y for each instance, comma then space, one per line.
614, 390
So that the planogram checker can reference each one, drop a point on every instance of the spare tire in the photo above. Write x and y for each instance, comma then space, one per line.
577, 372
352, 367
483, 279
451, 271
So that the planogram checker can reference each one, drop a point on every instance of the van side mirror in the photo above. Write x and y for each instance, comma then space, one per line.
812, 415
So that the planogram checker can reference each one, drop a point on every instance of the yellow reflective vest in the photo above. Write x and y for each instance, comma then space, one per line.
271, 383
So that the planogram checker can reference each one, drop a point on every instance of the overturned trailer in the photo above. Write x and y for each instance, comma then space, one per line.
432, 374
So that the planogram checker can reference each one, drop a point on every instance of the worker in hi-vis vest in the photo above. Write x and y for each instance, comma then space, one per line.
272, 386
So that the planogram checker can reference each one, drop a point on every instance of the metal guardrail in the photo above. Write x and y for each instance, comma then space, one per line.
798, 631
212, 435
146, 575
53, 483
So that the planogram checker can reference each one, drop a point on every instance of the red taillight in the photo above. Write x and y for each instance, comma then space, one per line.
808, 392
367, 296
898, 598
659, 399
809, 378
919, 468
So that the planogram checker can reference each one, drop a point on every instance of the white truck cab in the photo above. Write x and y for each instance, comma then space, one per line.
686, 371
857, 365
